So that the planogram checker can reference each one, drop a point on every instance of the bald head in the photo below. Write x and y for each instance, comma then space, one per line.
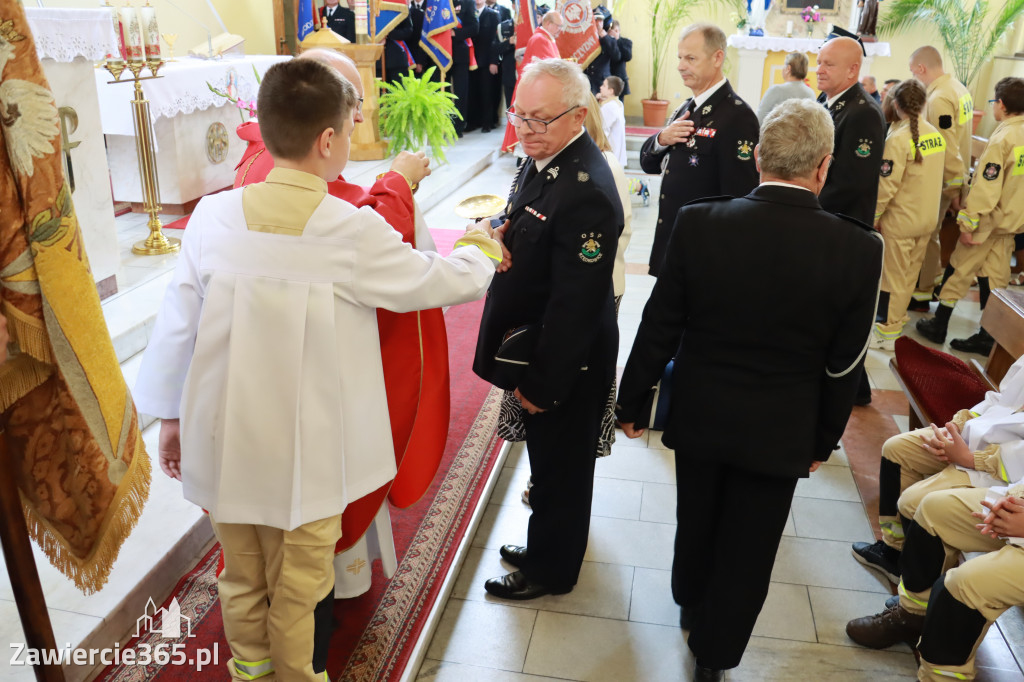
926, 64
344, 66
838, 65
552, 22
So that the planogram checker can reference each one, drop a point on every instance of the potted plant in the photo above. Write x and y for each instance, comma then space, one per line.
970, 31
416, 111
666, 16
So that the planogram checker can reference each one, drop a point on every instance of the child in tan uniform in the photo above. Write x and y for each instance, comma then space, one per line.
909, 193
993, 213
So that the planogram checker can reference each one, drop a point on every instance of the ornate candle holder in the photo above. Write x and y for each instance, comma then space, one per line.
156, 243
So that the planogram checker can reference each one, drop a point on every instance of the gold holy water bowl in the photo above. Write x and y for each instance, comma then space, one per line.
480, 206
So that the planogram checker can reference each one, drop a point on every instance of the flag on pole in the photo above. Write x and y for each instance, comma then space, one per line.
578, 40
306, 22
436, 39
387, 15
526, 21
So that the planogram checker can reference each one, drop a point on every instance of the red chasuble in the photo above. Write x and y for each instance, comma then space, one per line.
413, 347
540, 46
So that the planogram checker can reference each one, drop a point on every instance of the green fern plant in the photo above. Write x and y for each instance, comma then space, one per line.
970, 32
416, 111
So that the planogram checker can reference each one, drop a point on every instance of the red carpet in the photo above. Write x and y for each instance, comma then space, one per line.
378, 630
179, 224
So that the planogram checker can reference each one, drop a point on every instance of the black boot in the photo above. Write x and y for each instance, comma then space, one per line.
980, 343
934, 329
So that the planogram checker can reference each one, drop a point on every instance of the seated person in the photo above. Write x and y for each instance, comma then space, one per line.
613, 117
949, 608
980, 447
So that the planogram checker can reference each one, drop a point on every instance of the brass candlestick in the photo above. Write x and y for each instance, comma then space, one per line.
156, 243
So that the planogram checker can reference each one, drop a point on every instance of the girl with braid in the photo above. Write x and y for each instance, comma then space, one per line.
908, 205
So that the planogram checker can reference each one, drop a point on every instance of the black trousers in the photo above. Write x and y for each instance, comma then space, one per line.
729, 524
562, 444
508, 81
458, 76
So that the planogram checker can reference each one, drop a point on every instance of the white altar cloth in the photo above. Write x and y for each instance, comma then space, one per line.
783, 44
63, 34
181, 90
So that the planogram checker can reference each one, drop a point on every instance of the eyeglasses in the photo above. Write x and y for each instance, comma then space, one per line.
535, 125
993, 101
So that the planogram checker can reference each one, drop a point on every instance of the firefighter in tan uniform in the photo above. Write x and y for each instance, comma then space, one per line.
992, 214
950, 109
909, 192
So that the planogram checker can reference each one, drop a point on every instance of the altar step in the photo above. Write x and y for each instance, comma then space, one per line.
172, 534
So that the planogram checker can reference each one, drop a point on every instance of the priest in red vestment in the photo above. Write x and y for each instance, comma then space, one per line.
541, 45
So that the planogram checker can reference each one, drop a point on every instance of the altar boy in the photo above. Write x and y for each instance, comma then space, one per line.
266, 348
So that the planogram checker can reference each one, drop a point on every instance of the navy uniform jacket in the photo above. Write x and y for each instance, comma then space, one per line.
342, 22
395, 59
486, 43
618, 67
773, 401
565, 225
469, 29
416, 17
601, 67
717, 160
852, 184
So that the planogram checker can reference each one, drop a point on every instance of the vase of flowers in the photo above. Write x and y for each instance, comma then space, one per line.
811, 16
741, 23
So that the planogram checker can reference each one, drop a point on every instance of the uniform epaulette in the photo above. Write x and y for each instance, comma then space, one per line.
702, 200
864, 226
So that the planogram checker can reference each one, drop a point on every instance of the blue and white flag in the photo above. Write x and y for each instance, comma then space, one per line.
436, 39
306, 22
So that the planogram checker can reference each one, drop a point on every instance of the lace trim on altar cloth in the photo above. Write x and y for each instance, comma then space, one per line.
64, 34
783, 44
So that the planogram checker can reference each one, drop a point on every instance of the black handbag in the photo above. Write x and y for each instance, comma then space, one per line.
514, 354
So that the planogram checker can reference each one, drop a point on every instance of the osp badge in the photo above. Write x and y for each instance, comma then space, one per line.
744, 150
590, 249
864, 148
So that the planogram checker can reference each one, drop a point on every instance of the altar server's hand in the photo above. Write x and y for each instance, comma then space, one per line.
1005, 518
967, 239
170, 447
948, 445
413, 165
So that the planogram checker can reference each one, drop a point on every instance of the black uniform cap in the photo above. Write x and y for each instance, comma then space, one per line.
840, 32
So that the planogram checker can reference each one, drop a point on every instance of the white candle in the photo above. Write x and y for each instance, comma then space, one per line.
789, 28
150, 32
132, 34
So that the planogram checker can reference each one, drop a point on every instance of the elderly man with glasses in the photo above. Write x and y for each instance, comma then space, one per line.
563, 223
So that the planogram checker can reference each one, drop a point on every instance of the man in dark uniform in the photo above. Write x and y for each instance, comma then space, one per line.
396, 60
707, 150
416, 8
751, 414
458, 75
601, 66
852, 186
341, 20
484, 83
618, 67
564, 220
507, 55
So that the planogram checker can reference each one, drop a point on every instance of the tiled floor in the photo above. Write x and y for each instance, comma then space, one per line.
619, 623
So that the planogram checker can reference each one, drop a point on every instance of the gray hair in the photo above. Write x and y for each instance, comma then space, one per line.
575, 86
795, 137
714, 37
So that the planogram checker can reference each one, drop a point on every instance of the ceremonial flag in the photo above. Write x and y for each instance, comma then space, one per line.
436, 39
526, 21
578, 40
306, 23
386, 15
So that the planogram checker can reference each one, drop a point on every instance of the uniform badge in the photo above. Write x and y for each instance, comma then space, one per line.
886, 170
694, 159
744, 150
692, 142
590, 249
535, 213
945, 122
864, 148
583, 176
553, 172
738, 102
706, 132
706, 110
992, 171
839, 105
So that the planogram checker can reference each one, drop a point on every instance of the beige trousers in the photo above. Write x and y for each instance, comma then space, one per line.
989, 584
931, 267
989, 259
293, 570
900, 267
920, 474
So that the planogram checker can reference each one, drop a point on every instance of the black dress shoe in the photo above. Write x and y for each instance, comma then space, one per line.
518, 586
980, 343
702, 674
687, 615
514, 554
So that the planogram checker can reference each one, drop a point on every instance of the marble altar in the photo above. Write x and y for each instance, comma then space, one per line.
68, 41
194, 156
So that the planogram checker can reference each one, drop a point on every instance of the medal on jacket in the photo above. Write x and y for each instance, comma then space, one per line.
694, 159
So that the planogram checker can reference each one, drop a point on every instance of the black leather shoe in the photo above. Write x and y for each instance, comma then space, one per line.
687, 615
518, 586
702, 674
513, 554
980, 343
